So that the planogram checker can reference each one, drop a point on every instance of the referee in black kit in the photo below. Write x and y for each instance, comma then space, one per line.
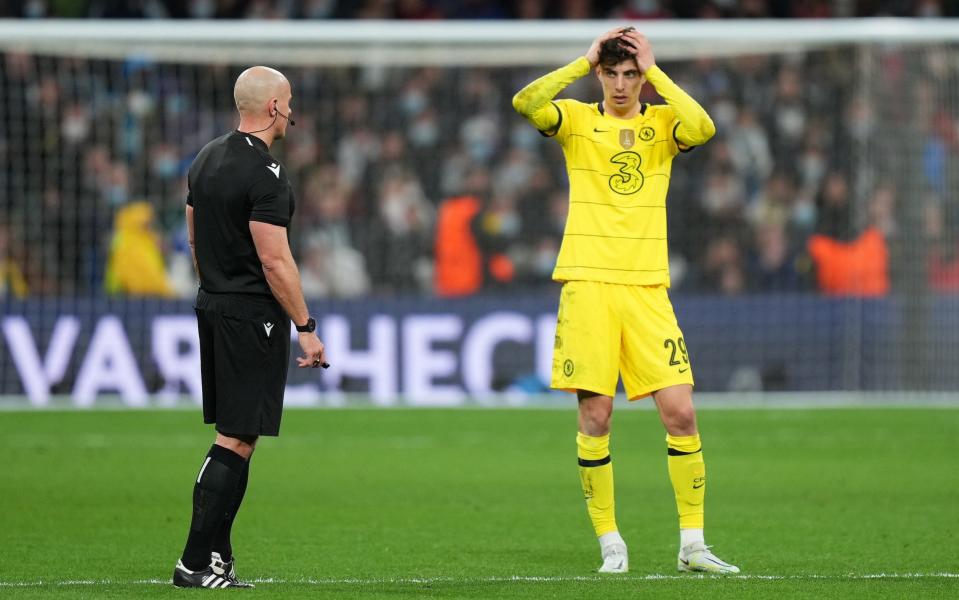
238, 209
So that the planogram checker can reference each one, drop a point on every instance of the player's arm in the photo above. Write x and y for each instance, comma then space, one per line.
280, 269
283, 277
695, 127
269, 219
191, 237
535, 100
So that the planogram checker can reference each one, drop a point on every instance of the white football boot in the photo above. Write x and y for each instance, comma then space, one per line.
697, 558
615, 556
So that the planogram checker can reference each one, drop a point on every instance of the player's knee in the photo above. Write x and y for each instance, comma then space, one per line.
681, 421
594, 414
242, 444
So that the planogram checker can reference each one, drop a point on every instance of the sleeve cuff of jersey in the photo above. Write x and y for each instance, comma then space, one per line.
556, 127
270, 220
189, 201
680, 144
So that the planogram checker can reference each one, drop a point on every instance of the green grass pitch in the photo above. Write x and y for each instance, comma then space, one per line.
841, 503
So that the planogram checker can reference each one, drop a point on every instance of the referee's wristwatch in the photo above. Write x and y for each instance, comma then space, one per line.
310, 326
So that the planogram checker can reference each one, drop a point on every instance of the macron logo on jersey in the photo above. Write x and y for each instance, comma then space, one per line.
268, 327
275, 168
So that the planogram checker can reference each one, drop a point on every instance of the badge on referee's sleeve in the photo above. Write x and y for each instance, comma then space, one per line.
627, 137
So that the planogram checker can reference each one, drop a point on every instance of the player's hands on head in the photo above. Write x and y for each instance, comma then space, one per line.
592, 55
314, 353
640, 47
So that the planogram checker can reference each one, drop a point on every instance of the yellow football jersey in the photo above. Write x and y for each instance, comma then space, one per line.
618, 178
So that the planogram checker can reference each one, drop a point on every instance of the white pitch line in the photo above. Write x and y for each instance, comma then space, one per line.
515, 578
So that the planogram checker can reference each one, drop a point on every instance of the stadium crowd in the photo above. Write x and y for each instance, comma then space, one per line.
474, 9
424, 181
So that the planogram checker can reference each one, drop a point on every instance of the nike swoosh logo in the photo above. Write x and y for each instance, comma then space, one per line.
684, 561
600, 130
696, 487
275, 169
684, 370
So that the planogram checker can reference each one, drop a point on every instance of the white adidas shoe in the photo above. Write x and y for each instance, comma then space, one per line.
615, 559
696, 557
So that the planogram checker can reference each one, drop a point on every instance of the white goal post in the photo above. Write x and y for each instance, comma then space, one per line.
499, 43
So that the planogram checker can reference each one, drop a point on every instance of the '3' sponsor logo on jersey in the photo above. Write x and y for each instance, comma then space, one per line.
629, 179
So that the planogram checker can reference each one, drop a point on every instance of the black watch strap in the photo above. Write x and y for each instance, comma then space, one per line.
310, 326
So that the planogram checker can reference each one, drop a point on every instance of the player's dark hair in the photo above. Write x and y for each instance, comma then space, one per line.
613, 51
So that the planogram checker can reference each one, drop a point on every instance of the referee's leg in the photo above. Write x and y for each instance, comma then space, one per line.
217, 493
244, 446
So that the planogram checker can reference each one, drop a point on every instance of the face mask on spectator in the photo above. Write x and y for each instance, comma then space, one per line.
175, 104
203, 9
117, 195
413, 102
76, 127
480, 150
35, 9
165, 167
861, 127
140, 103
804, 215
812, 168
319, 9
524, 137
424, 132
724, 114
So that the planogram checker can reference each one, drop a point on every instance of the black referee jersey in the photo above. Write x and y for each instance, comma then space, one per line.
232, 181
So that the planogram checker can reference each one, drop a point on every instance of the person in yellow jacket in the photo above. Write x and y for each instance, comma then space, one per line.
615, 316
135, 266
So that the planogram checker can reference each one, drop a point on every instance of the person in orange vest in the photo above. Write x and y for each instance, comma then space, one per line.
846, 265
469, 247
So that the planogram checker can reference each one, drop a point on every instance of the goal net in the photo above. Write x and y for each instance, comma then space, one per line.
813, 241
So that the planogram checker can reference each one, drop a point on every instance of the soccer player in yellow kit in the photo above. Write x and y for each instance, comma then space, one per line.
615, 316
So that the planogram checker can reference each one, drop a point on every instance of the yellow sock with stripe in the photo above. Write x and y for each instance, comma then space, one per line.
687, 471
596, 475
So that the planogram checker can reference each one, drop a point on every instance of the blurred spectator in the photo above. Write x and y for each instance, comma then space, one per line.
724, 195
472, 9
856, 268
12, 281
499, 230
749, 149
775, 267
944, 248
135, 265
723, 267
459, 261
331, 264
803, 140
834, 209
399, 246
641, 9
847, 264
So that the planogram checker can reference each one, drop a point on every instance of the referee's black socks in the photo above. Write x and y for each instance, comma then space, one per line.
221, 542
214, 493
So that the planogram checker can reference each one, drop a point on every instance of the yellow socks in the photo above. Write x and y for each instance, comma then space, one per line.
596, 475
687, 471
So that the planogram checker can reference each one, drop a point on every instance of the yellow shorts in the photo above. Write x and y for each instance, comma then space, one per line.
607, 329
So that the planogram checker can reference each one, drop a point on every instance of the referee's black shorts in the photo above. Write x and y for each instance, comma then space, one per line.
244, 359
